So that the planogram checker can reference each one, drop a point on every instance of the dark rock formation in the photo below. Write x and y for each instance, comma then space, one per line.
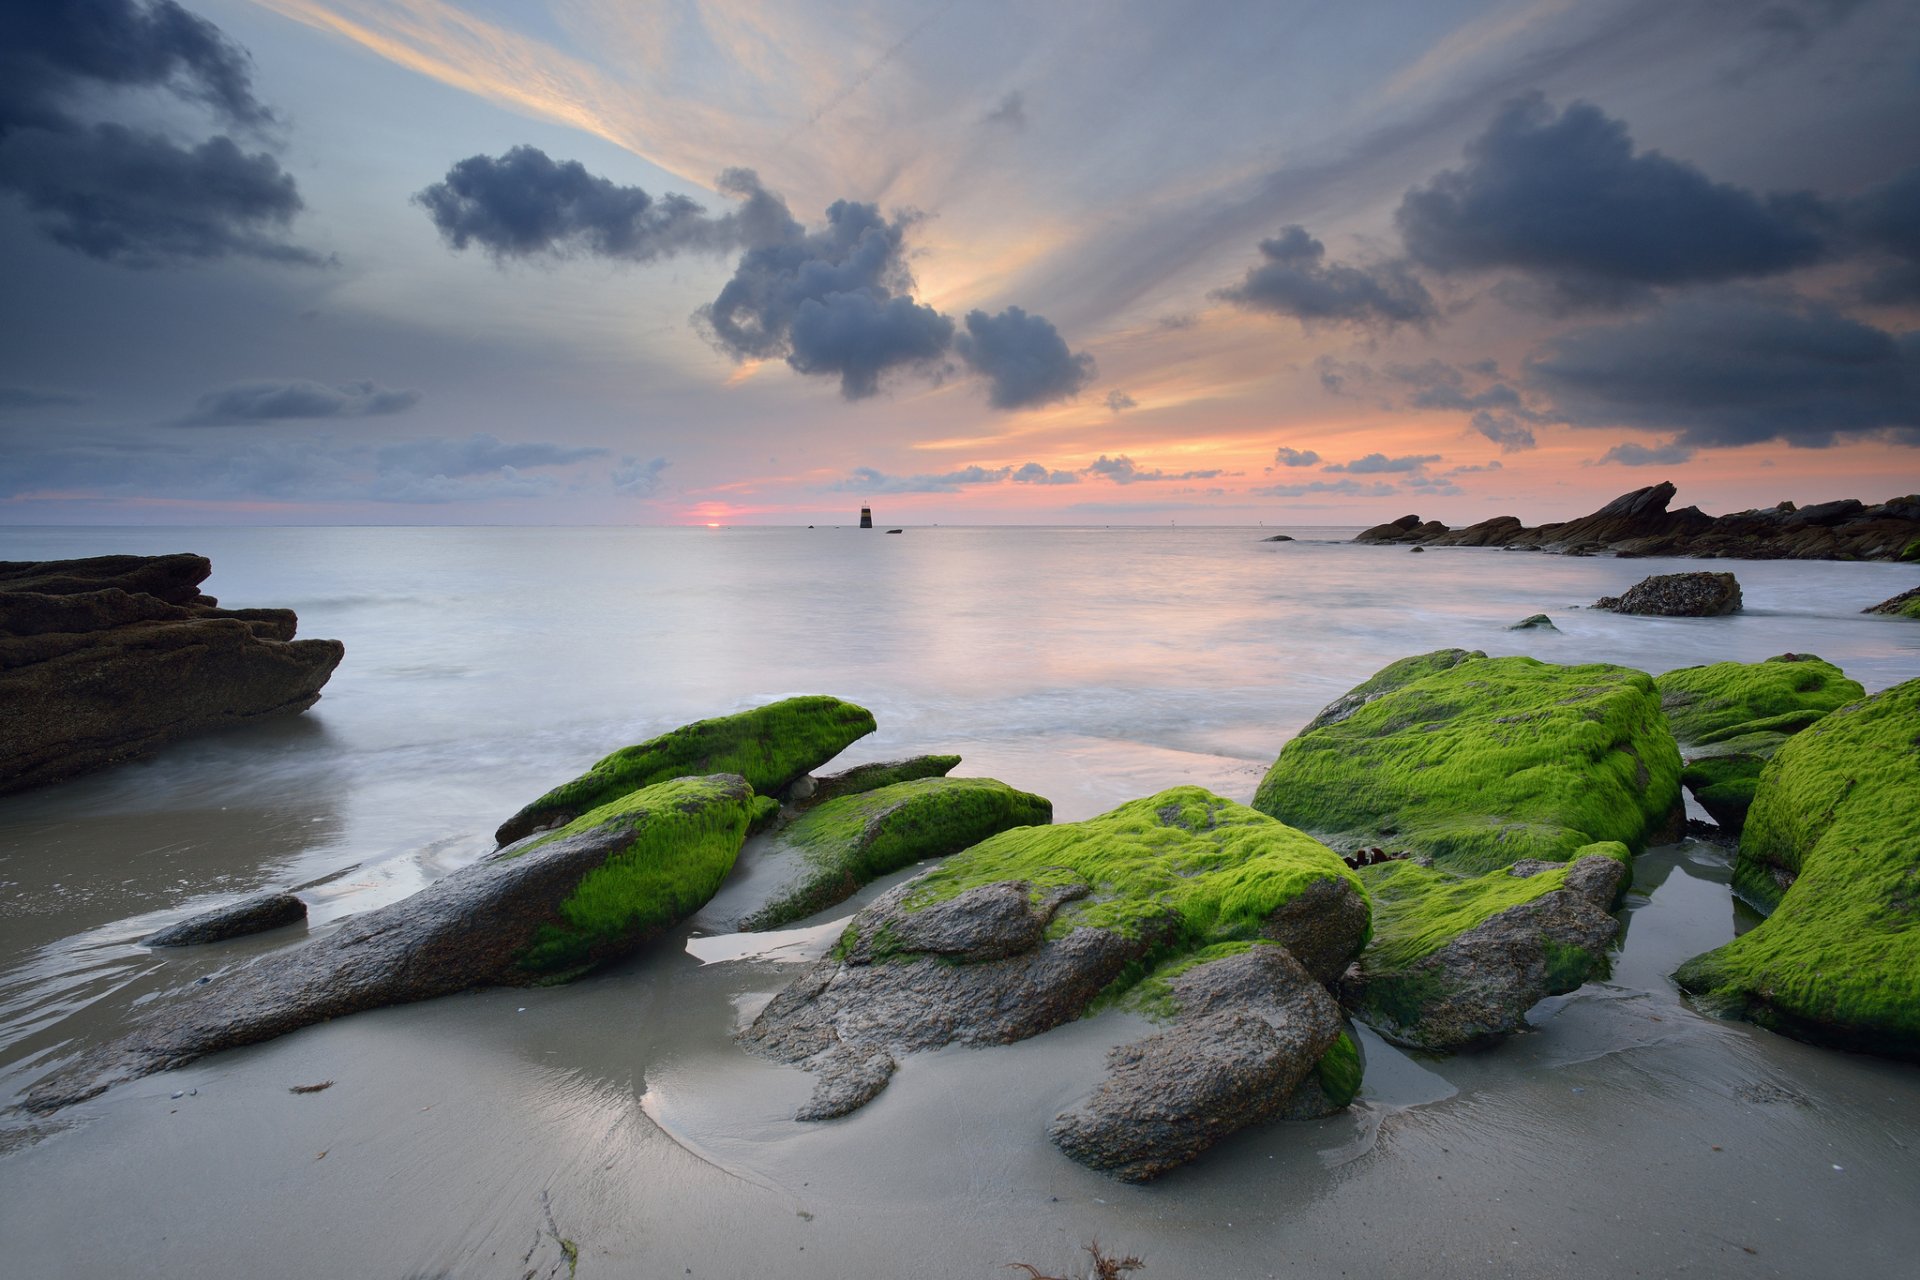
1279, 537
543, 909
1678, 595
110, 658
873, 776
1639, 524
257, 914
1249, 1030
1904, 605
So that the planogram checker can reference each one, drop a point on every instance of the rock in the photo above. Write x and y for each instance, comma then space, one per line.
1456, 963
1834, 833
256, 914
1904, 605
1397, 531
1537, 622
881, 773
837, 846
770, 746
1678, 595
540, 911
1250, 1028
113, 657
1479, 762
1279, 537
1022, 931
1730, 718
1417, 548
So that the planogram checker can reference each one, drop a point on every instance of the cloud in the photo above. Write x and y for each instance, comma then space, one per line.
1887, 221
28, 398
869, 480
1381, 464
1119, 402
1024, 359
1286, 457
1296, 280
1629, 454
1567, 200
124, 195
298, 398
1034, 473
1736, 369
1474, 467
639, 479
1123, 470
1011, 113
478, 454
1505, 430
1340, 488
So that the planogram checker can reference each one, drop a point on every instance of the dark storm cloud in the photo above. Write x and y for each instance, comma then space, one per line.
1123, 470
28, 398
1737, 369
1381, 464
124, 195
296, 399
1566, 199
525, 204
1287, 457
1034, 473
1296, 280
1024, 359
1629, 454
1886, 221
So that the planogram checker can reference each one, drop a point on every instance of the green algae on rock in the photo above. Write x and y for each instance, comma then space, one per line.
873, 776
1481, 762
845, 842
1904, 605
1732, 716
1455, 963
1836, 820
769, 746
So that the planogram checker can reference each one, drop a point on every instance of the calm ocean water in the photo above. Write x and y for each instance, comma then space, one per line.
485, 665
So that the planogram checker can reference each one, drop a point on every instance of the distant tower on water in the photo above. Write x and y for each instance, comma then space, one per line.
866, 517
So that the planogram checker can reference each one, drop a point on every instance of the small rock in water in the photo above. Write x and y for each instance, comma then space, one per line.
1538, 622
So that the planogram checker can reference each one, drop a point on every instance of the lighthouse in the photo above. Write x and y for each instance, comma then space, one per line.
866, 517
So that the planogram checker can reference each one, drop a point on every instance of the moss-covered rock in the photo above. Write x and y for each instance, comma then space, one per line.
873, 776
769, 746
1834, 838
1480, 762
1730, 717
1456, 962
1904, 605
1029, 928
836, 847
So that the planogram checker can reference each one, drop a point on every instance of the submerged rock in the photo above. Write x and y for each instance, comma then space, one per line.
1279, 537
1480, 762
1456, 963
1904, 605
540, 911
1730, 718
1834, 838
837, 846
110, 658
769, 746
1537, 622
1022, 931
1250, 1028
257, 914
1678, 595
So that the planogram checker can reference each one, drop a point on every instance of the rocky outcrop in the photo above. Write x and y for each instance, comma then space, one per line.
1479, 762
1456, 963
1834, 839
1639, 524
111, 658
1904, 605
1731, 717
1678, 595
833, 848
542, 910
869, 777
257, 914
772, 747
1022, 931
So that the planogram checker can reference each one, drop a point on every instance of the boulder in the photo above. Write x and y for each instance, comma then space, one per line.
880, 773
1024, 930
1678, 595
1834, 838
1455, 963
1250, 1027
543, 910
1730, 718
110, 658
1395, 531
1537, 622
257, 914
1279, 537
1904, 605
833, 848
1480, 762
770, 746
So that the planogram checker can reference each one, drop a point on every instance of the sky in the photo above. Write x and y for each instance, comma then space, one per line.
1082, 262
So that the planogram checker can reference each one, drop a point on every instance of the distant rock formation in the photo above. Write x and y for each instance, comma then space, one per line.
112, 657
1639, 524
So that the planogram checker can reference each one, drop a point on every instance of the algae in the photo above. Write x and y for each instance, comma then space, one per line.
769, 746
881, 773
1482, 762
1725, 700
1837, 812
1340, 1070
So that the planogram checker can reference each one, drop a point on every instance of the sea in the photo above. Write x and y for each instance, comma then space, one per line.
612, 1127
